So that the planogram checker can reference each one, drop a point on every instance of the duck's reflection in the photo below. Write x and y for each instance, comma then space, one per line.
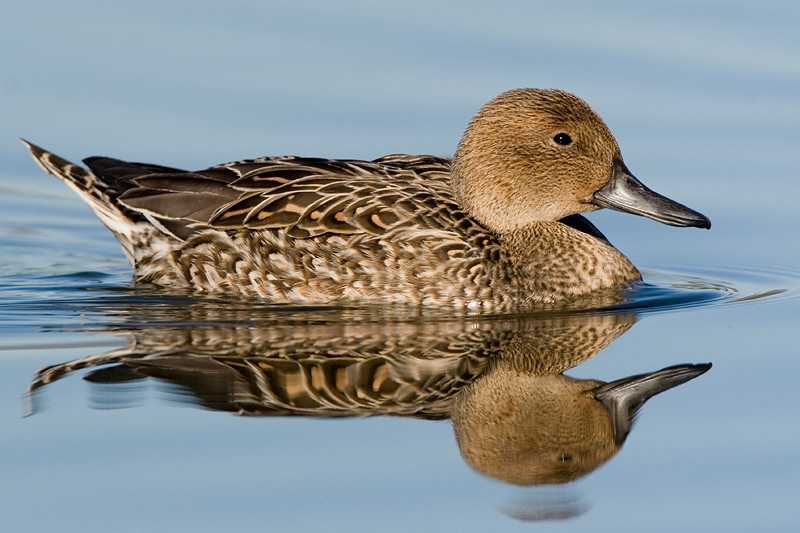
545, 429
516, 416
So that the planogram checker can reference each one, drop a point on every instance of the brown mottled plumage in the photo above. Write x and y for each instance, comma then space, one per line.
495, 228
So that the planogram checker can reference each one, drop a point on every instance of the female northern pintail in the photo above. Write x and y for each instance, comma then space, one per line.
497, 227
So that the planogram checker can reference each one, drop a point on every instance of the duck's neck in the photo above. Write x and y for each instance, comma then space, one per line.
557, 262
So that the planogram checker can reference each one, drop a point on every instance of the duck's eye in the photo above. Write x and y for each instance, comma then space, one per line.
562, 138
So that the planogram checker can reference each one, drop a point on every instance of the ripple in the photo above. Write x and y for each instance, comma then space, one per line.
675, 288
95, 299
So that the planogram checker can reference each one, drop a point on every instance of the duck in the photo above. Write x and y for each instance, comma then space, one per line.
497, 227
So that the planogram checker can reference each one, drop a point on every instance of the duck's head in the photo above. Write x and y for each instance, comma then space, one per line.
535, 155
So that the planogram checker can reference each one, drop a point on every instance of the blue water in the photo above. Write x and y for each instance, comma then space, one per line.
703, 99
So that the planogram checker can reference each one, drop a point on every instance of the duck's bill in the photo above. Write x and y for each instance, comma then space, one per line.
625, 193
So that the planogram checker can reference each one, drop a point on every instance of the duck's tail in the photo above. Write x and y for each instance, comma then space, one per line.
99, 195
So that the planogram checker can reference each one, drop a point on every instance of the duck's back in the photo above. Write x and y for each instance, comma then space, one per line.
311, 230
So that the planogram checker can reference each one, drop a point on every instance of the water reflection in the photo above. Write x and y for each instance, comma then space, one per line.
516, 416
530, 428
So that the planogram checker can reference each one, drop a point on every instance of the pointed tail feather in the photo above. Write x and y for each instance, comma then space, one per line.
99, 195
75, 176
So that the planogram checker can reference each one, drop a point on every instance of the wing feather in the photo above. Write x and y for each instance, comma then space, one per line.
305, 197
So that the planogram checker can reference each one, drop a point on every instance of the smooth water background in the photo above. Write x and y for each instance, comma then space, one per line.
704, 99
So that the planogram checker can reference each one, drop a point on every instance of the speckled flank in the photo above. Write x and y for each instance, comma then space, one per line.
406, 269
483, 231
269, 264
